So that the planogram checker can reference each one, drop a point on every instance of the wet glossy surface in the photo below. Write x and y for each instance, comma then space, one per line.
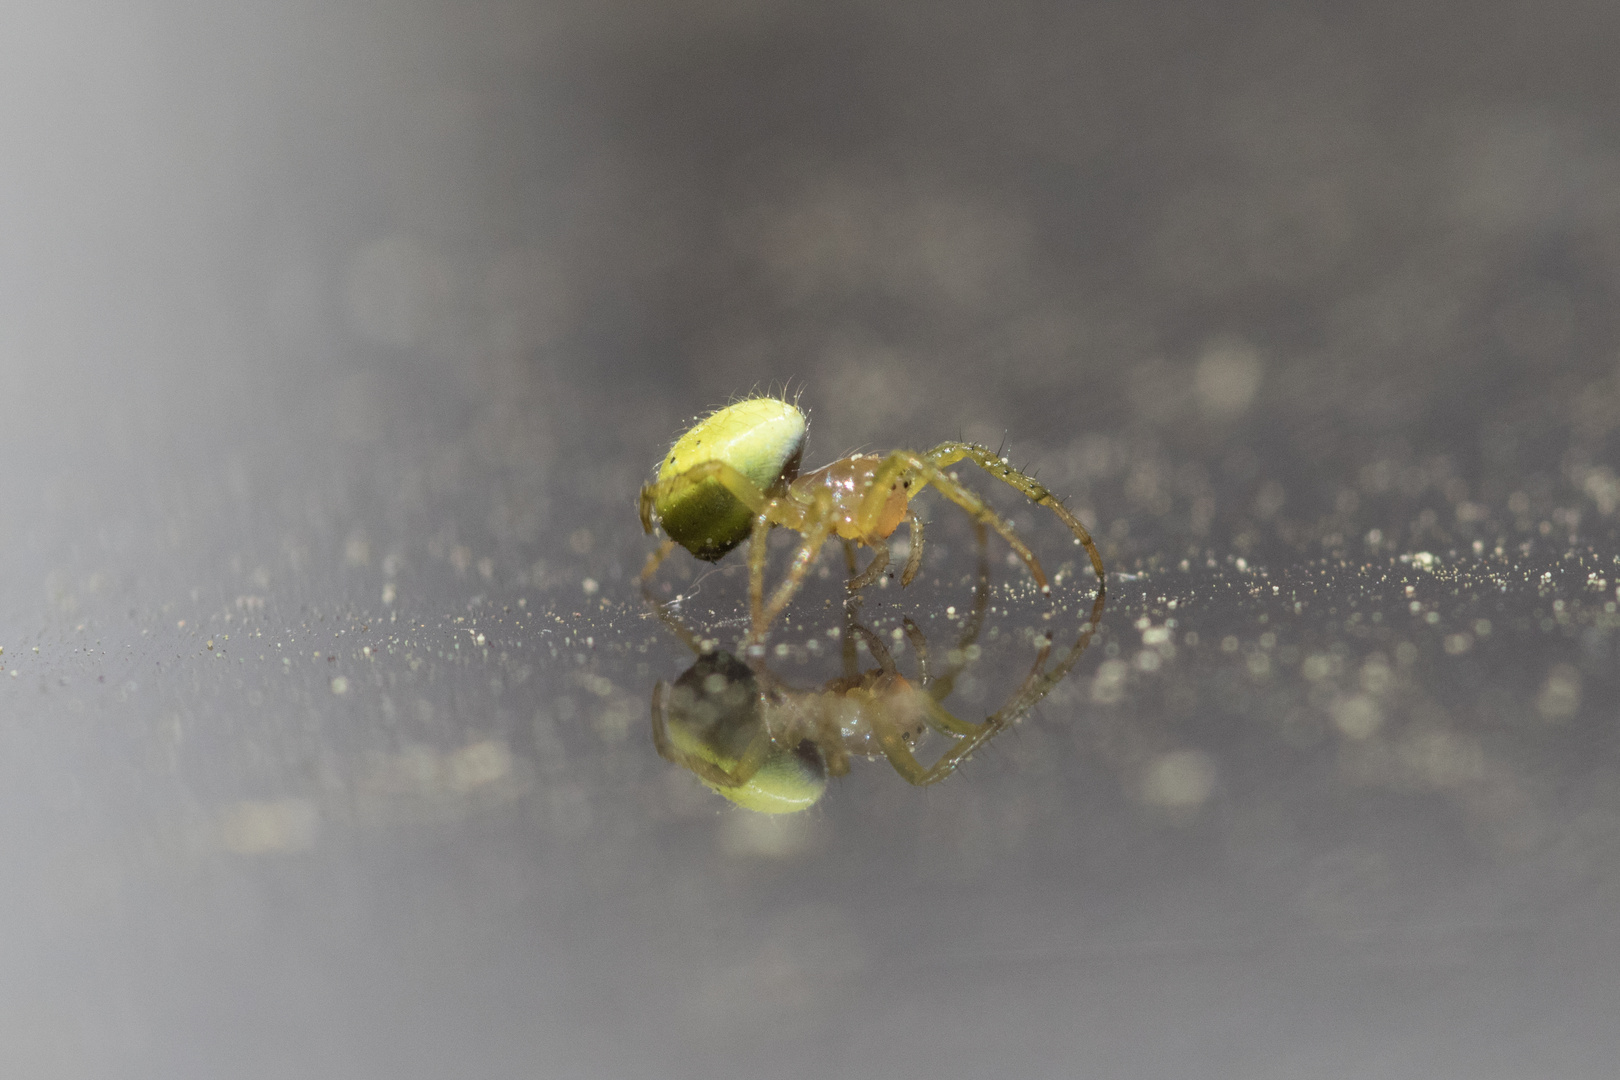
336, 342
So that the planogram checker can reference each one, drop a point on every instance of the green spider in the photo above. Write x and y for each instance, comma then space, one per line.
735, 474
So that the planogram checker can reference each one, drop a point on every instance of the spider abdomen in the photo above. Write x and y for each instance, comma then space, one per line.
758, 440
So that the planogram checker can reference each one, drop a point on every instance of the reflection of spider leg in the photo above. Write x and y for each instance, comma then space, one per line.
851, 659
936, 715
674, 625
1035, 686
948, 453
815, 525
914, 537
664, 611
907, 464
943, 720
893, 741
970, 737
919, 645
880, 652
939, 689
1038, 684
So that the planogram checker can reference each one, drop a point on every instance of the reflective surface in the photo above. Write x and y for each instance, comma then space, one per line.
753, 736
337, 340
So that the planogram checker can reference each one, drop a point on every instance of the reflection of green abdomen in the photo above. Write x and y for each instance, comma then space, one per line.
789, 781
715, 715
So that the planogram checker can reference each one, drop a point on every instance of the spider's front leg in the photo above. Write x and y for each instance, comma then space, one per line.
947, 454
918, 471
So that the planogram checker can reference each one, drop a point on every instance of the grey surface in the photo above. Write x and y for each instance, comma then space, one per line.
327, 328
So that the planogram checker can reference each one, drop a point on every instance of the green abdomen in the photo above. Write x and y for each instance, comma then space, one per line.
706, 520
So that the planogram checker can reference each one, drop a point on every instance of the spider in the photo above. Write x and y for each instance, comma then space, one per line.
770, 747
735, 474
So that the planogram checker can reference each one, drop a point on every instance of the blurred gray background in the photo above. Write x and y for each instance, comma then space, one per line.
336, 339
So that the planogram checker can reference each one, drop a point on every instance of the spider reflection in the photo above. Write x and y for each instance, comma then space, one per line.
770, 746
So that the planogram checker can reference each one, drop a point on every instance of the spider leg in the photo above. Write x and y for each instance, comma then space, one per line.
981, 591
902, 463
815, 523
879, 563
733, 481
778, 510
914, 556
852, 604
665, 612
644, 506
758, 553
654, 561
948, 453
